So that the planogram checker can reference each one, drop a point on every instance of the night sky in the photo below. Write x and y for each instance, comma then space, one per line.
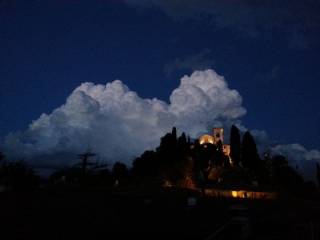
266, 50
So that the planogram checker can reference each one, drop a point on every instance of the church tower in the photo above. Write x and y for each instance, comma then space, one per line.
218, 135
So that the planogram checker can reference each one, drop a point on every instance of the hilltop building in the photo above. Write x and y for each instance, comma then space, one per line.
217, 135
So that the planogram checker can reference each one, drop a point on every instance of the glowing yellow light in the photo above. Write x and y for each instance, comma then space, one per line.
234, 194
206, 139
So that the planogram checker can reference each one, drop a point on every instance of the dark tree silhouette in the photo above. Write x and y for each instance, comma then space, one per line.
249, 152
18, 176
168, 143
219, 157
318, 174
120, 173
169, 163
174, 132
285, 176
178, 162
182, 146
181, 162
189, 140
235, 145
167, 151
1, 157
204, 155
146, 166
70, 175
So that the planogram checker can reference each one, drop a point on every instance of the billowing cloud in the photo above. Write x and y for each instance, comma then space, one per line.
118, 125
296, 152
204, 100
301, 158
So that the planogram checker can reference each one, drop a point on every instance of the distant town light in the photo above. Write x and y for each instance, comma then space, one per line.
234, 194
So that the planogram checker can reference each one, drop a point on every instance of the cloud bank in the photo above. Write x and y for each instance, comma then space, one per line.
118, 125
302, 159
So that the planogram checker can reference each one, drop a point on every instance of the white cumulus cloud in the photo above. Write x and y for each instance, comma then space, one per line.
118, 125
301, 158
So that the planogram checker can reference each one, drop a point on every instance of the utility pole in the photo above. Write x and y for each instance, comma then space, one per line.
84, 157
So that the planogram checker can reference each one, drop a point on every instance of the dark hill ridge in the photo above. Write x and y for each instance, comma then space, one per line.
181, 190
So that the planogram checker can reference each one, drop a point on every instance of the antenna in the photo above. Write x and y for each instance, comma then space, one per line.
84, 157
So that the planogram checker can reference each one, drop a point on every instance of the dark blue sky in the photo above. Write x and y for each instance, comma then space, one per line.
268, 52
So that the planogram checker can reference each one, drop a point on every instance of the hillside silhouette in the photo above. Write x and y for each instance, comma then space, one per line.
174, 190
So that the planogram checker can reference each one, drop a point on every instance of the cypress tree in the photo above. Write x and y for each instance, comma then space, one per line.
249, 153
318, 174
174, 132
235, 145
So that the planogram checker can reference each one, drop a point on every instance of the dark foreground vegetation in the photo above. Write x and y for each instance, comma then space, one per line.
161, 196
158, 214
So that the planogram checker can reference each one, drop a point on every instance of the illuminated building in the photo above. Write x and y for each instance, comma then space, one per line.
205, 139
242, 194
217, 135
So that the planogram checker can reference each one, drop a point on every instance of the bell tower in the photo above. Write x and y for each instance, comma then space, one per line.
218, 135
